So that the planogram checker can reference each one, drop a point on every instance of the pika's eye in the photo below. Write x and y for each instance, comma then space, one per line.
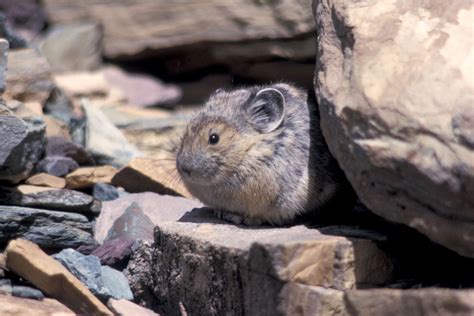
213, 139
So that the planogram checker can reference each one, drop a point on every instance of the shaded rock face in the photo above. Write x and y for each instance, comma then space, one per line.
148, 22
21, 143
396, 96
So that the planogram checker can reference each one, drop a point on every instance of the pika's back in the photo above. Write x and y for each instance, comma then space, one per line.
258, 152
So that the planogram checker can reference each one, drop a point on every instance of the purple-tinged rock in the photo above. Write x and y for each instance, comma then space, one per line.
57, 166
115, 252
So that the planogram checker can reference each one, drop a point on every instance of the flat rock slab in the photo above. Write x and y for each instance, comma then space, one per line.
11, 306
28, 261
213, 267
151, 175
159, 208
86, 177
60, 200
46, 180
51, 229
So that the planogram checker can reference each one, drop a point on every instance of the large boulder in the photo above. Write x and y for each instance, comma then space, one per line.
395, 88
155, 26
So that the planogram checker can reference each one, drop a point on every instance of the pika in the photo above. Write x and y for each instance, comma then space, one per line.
257, 155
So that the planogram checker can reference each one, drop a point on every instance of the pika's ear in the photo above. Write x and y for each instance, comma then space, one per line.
266, 110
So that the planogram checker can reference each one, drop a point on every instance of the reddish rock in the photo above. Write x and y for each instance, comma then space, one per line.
114, 252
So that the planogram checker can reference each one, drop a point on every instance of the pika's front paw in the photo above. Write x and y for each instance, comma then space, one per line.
237, 219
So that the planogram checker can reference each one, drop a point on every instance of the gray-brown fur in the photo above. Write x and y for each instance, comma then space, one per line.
270, 163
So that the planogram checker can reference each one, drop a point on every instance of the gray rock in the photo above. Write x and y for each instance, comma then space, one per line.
215, 268
116, 283
104, 141
398, 119
27, 292
132, 224
103, 281
59, 146
6, 286
86, 268
59, 200
73, 47
49, 229
28, 77
3, 63
21, 145
56, 166
61, 108
105, 192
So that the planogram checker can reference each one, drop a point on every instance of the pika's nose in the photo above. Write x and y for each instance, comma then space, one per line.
184, 167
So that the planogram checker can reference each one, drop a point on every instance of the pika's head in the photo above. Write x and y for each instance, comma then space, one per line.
219, 141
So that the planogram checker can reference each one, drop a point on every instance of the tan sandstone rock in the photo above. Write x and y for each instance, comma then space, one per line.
126, 308
28, 261
13, 306
395, 88
154, 175
46, 180
88, 176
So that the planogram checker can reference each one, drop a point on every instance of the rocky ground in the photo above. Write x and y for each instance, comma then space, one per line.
94, 219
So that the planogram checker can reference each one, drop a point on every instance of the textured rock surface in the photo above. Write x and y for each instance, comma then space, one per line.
73, 47
46, 180
151, 175
139, 273
243, 270
59, 200
31, 263
395, 88
28, 77
21, 143
50, 229
56, 166
159, 208
148, 22
126, 308
86, 177
12, 306
300, 299
431, 301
